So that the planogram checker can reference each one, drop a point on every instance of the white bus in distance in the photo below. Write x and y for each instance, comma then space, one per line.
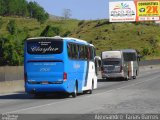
120, 64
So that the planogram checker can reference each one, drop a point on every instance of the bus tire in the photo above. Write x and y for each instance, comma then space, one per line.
74, 94
134, 77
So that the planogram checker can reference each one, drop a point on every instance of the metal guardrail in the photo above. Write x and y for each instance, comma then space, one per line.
10, 73
149, 62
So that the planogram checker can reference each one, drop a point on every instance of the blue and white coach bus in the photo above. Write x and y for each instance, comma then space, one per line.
55, 64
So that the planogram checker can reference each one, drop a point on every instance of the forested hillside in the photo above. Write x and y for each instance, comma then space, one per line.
14, 31
23, 8
20, 20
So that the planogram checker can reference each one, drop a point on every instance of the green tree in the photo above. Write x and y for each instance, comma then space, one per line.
32, 8
45, 31
18, 7
12, 7
22, 8
36, 11
50, 31
146, 51
11, 27
67, 33
2, 41
2, 7
10, 52
1, 22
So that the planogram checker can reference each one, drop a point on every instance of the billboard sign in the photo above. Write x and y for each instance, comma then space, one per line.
147, 10
122, 11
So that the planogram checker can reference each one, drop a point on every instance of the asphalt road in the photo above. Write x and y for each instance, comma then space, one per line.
138, 96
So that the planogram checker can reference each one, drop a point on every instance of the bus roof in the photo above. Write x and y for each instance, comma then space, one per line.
36, 38
65, 38
111, 54
122, 50
74, 39
116, 53
128, 50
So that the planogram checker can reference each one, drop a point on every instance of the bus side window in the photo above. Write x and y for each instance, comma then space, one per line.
69, 50
73, 51
77, 49
91, 53
84, 54
81, 50
88, 53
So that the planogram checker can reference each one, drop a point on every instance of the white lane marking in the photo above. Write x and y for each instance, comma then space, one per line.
108, 91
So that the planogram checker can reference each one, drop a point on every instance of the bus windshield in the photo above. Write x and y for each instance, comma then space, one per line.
129, 56
111, 62
47, 46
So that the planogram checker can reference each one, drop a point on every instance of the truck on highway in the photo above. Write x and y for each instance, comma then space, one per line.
120, 64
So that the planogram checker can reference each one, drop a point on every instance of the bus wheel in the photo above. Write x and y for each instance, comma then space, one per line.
134, 77
74, 94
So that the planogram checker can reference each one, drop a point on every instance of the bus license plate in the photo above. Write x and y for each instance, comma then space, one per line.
45, 82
